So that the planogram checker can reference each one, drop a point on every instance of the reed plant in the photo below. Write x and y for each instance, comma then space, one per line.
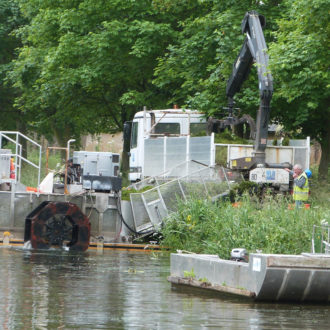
270, 226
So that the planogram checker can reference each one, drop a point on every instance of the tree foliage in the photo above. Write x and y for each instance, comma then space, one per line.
85, 66
198, 66
300, 65
10, 19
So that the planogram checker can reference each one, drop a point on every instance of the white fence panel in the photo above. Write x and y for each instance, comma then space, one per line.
298, 152
165, 153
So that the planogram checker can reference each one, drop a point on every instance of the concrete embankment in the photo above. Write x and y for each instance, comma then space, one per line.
268, 277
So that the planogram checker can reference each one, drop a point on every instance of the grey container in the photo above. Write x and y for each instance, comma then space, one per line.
100, 170
97, 163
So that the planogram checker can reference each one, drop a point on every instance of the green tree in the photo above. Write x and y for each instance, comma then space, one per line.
300, 65
197, 67
87, 66
10, 19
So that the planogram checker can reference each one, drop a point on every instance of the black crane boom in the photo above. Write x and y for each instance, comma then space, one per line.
254, 50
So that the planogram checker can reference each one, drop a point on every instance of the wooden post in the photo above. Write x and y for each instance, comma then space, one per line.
47, 155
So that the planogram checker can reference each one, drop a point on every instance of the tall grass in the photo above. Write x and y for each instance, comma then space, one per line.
29, 174
201, 226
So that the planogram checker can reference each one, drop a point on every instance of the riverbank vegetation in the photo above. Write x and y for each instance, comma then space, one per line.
270, 225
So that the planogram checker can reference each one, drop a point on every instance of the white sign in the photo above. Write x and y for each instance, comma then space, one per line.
269, 175
256, 266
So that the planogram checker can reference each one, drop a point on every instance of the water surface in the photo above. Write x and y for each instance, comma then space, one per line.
126, 290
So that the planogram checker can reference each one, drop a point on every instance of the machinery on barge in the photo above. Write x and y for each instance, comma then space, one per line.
72, 209
254, 166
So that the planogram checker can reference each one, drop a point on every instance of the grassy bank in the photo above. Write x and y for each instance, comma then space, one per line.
201, 226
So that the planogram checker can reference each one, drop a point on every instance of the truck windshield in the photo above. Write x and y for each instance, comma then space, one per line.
167, 128
198, 129
134, 135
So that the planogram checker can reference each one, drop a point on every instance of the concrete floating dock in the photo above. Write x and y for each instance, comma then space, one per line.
266, 277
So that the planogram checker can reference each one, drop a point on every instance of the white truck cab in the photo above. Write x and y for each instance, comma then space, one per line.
160, 123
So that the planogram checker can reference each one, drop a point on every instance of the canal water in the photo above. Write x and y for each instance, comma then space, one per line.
126, 290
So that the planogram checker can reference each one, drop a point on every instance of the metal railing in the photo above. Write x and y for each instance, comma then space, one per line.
152, 206
15, 137
181, 170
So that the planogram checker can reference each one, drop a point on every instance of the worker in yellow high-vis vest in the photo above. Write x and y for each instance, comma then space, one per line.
301, 185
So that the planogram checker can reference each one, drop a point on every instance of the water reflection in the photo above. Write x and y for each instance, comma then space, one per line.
126, 290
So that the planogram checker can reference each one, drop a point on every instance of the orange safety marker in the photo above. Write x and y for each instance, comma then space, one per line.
12, 169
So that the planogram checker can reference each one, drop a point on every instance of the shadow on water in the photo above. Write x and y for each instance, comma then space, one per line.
232, 298
237, 312
198, 292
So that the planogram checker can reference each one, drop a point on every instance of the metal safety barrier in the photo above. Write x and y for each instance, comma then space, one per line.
152, 206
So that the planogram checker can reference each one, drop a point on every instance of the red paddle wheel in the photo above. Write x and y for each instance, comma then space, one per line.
57, 224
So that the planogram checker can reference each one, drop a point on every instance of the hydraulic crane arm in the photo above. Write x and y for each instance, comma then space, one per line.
254, 50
